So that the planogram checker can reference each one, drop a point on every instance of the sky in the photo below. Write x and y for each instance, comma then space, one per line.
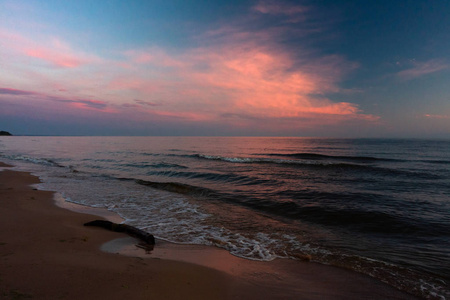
226, 68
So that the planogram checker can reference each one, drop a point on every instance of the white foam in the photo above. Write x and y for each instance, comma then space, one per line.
263, 160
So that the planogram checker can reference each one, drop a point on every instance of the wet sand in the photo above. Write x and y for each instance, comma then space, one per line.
47, 253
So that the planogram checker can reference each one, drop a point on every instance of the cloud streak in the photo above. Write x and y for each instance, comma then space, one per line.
279, 8
85, 104
77, 103
47, 49
14, 92
439, 117
420, 69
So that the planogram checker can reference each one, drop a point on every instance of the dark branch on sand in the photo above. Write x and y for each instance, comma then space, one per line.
130, 230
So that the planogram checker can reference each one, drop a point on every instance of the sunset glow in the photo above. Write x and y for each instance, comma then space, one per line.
288, 66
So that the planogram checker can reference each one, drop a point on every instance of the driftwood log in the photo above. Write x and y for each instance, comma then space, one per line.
130, 230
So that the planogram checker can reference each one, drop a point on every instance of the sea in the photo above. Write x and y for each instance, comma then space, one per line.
380, 207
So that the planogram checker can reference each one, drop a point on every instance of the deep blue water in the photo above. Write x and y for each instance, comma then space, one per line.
377, 206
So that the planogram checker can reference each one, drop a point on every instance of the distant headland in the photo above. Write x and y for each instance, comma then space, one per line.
4, 133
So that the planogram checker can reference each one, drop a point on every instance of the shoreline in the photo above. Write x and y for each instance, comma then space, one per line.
45, 251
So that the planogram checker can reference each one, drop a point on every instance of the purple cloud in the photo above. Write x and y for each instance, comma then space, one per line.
80, 103
96, 104
14, 92
147, 103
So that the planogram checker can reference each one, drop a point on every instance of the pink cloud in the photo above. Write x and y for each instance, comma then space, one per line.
242, 73
51, 50
155, 56
240, 78
258, 82
58, 53
192, 116
126, 83
57, 59
95, 105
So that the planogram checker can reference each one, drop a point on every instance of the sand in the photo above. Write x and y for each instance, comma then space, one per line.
47, 253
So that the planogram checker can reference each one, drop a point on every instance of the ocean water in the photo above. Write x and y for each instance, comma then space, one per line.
380, 207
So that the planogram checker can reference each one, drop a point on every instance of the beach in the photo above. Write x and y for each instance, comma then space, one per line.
47, 253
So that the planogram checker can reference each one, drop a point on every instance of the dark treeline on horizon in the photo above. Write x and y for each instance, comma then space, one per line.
4, 133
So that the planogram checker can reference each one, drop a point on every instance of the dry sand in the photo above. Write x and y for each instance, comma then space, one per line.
47, 253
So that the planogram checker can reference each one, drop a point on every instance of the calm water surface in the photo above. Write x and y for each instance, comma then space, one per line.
379, 207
